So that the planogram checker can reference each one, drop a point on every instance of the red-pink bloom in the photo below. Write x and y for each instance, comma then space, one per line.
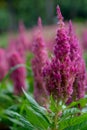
40, 57
3, 64
79, 65
64, 75
23, 38
16, 45
11, 44
20, 49
58, 73
21, 27
18, 75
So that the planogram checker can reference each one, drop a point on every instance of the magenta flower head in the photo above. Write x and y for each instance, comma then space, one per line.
11, 44
16, 45
3, 64
20, 48
18, 75
62, 47
78, 64
40, 57
58, 73
21, 27
23, 38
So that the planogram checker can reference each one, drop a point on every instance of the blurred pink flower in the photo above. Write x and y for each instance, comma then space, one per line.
16, 45
64, 74
3, 64
23, 38
79, 65
40, 57
18, 75
58, 73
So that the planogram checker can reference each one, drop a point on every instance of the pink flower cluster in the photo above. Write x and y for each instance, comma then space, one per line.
39, 60
18, 74
14, 56
3, 64
21, 43
79, 65
64, 74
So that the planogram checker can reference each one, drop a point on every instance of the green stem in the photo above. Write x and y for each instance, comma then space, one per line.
55, 121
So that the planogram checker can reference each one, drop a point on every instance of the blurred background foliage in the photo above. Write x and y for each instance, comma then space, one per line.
12, 11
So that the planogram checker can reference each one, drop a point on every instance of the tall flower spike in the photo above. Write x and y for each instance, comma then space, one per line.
23, 36
3, 64
18, 75
59, 14
75, 50
60, 17
70, 27
58, 74
20, 48
21, 27
11, 44
16, 45
39, 23
40, 57
78, 65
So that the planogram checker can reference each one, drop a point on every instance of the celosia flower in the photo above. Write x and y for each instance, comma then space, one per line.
11, 44
40, 57
58, 73
65, 73
16, 45
20, 48
79, 65
21, 27
3, 64
18, 75
23, 39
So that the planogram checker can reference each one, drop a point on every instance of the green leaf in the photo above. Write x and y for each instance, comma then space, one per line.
81, 126
34, 105
72, 121
14, 117
53, 104
70, 112
37, 119
82, 102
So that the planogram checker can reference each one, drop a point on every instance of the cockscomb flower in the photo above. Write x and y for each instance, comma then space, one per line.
40, 57
16, 45
3, 64
79, 65
11, 44
20, 48
75, 49
21, 27
62, 47
18, 75
23, 36
58, 73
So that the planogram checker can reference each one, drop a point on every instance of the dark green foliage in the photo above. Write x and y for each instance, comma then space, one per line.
11, 12
4, 20
25, 113
72, 9
29, 10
